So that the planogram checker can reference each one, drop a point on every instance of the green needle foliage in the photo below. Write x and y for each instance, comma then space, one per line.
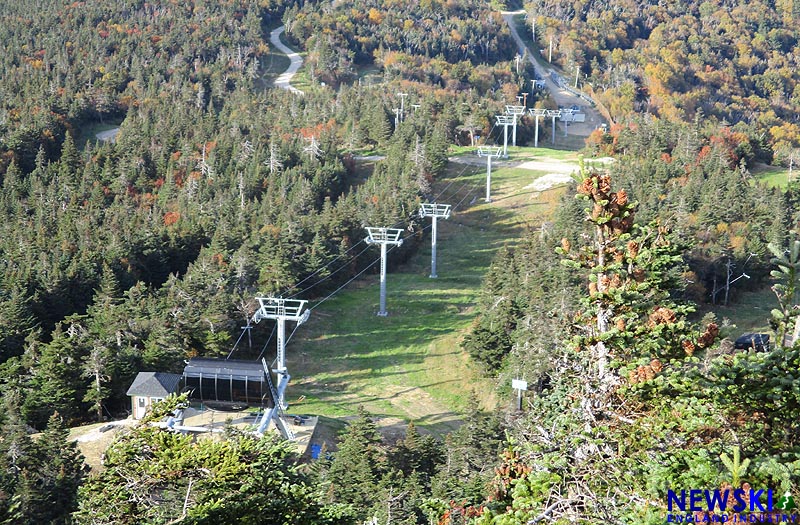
786, 275
736, 467
671, 406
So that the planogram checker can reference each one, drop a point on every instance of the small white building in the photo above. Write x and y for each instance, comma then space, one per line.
150, 387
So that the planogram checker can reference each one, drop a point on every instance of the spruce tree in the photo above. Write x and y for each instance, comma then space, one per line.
16, 322
47, 488
358, 465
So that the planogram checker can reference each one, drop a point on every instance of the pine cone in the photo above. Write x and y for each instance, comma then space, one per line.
586, 186
620, 324
604, 185
709, 336
565, 245
622, 197
633, 249
662, 315
688, 347
656, 365
627, 223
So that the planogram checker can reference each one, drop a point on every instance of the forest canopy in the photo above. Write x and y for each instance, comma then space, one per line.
132, 254
734, 61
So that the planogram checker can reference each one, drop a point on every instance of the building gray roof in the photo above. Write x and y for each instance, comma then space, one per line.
154, 384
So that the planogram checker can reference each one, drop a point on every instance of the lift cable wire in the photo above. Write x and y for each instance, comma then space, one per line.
244, 330
321, 268
267, 343
470, 192
359, 274
342, 267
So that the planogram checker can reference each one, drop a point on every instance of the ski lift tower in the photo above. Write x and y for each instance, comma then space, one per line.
516, 112
434, 211
384, 236
505, 121
567, 116
554, 113
281, 310
536, 113
489, 152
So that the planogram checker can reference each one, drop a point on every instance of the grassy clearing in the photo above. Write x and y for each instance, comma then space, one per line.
772, 176
303, 82
409, 365
749, 313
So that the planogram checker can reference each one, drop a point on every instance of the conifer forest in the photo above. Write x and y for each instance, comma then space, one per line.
641, 241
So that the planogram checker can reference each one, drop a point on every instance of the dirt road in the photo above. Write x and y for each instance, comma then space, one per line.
284, 80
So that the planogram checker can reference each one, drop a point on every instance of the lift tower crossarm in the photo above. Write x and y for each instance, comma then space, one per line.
554, 114
281, 310
536, 113
505, 121
567, 117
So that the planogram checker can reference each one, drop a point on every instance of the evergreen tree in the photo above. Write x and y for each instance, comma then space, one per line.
16, 322
40, 476
490, 338
378, 130
470, 455
70, 163
358, 465
56, 383
47, 488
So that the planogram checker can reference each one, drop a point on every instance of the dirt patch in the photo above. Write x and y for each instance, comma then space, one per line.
548, 181
93, 440
98, 432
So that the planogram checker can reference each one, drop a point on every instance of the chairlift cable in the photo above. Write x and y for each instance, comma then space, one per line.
297, 285
359, 274
330, 274
267, 343
245, 329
